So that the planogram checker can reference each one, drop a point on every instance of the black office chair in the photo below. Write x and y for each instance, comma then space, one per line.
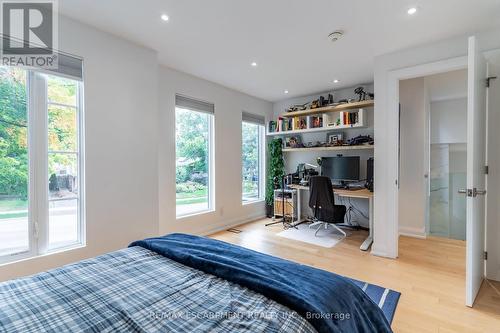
322, 202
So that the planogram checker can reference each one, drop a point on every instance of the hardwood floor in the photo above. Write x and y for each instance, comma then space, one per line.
430, 274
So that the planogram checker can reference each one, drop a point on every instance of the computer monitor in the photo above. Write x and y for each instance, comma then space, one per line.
341, 169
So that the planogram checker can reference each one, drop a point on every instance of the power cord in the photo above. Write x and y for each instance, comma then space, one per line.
351, 211
357, 210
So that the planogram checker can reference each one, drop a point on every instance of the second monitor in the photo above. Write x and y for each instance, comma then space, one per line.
341, 169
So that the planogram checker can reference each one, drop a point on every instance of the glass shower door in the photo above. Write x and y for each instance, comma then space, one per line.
447, 175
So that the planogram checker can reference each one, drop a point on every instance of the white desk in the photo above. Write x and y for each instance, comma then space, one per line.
362, 194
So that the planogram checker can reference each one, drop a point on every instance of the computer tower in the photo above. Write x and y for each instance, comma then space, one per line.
369, 174
285, 201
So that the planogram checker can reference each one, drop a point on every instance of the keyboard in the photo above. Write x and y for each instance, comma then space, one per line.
356, 187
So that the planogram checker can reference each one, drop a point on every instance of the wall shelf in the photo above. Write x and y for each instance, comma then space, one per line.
317, 129
326, 109
334, 148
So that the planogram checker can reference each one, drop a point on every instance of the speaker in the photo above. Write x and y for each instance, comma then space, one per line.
369, 174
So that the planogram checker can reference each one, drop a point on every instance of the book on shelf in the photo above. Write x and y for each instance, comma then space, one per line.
299, 123
315, 121
280, 125
350, 118
273, 126
286, 124
341, 119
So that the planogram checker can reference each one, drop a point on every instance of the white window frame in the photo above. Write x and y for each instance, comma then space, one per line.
38, 183
211, 166
262, 164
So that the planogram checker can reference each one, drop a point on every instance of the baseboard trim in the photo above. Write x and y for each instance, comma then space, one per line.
381, 254
232, 224
413, 232
381, 251
495, 276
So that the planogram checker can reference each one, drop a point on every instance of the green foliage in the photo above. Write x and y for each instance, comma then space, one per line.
62, 129
250, 159
61, 90
62, 124
14, 128
191, 144
13, 133
250, 149
189, 187
276, 167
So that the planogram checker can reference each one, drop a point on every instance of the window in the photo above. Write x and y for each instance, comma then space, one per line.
40, 163
14, 164
63, 161
252, 157
194, 155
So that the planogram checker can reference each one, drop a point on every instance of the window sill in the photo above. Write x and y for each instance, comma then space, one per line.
64, 249
27, 257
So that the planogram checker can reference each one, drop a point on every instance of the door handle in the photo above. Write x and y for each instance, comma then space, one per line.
478, 192
467, 191
472, 192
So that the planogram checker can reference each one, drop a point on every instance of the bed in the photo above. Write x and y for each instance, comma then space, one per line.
185, 283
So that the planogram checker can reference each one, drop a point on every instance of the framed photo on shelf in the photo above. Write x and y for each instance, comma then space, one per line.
293, 141
334, 138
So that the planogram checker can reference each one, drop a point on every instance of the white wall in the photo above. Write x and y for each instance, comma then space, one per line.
121, 110
449, 121
292, 159
412, 186
446, 86
385, 195
130, 148
229, 105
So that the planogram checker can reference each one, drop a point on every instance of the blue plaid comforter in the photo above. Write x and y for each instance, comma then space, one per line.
137, 290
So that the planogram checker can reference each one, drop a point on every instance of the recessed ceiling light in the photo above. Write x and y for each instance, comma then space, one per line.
254, 64
412, 10
164, 17
286, 91
336, 81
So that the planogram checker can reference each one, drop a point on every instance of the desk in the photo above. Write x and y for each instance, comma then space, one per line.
362, 194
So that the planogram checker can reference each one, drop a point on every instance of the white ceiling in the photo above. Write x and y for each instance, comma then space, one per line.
218, 39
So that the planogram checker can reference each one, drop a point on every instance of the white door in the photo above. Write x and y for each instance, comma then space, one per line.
476, 182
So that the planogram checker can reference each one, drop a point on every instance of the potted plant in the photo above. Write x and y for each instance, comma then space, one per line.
276, 170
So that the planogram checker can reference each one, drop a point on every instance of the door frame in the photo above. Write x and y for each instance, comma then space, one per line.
393, 79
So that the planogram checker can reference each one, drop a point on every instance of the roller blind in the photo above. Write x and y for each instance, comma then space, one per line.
70, 66
253, 118
193, 104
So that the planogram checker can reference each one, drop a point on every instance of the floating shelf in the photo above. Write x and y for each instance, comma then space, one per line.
317, 129
326, 109
334, 148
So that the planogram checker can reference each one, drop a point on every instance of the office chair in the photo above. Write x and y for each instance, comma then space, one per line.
322, 202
